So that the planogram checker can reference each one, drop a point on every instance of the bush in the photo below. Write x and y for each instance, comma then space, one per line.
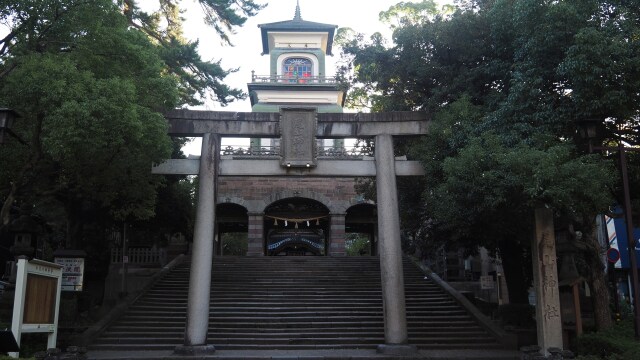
617, 343
610, 357
357, 245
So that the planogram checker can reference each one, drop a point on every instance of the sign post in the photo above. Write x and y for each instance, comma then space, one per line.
37, 299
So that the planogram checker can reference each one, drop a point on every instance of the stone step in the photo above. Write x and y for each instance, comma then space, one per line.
172, 346
294, 304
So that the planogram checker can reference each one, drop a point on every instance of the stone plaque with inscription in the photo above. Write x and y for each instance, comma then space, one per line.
298, 141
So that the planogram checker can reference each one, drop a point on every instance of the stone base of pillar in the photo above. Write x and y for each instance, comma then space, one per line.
255, 249
337, 235
397, 349
337, 248
255, 234
194, 350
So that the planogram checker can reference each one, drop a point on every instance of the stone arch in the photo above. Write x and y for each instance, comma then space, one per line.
302, 193
233, 200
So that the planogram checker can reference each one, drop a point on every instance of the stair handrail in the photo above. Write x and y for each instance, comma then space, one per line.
508, 340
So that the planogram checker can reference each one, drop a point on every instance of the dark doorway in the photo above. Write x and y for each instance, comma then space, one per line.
360, 230
232, 228
296, 226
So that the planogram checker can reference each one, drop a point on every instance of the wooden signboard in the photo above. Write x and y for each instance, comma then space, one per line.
37, 299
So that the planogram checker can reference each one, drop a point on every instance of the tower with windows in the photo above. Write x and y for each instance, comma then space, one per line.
294, 215
297, 50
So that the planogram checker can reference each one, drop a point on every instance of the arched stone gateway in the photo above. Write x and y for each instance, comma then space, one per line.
232, 224
296, 226
361, 230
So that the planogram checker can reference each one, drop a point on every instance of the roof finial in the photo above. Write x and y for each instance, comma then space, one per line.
297, 16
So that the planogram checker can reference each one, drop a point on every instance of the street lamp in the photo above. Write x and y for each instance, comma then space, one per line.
588, 130
7, 117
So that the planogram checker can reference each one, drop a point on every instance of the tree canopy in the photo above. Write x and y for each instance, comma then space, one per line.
90, 80
507, 82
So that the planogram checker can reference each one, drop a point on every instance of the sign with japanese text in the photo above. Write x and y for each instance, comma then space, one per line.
72, 273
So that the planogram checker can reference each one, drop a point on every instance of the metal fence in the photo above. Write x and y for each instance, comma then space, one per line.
281, 79
344, 152
137, 256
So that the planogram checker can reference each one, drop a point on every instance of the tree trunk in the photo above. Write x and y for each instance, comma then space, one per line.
598, 283
515, 271
24, 177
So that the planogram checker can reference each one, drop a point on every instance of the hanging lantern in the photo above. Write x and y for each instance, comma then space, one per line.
308, 223
285, 223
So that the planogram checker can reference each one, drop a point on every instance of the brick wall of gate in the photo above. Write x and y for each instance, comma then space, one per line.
256, 193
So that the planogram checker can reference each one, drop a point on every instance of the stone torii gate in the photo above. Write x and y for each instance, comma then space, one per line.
298, 128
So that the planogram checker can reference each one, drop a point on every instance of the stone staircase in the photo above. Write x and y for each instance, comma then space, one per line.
294, 303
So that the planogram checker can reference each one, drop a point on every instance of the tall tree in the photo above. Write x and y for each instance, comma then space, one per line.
198, 78
82, 82
90, 79
506, 81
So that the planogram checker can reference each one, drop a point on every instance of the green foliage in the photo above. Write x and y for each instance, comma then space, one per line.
505, 82
616, 343
198, 79
235, 244
90, 80
224, 15
91, 123
406, 13
357, 245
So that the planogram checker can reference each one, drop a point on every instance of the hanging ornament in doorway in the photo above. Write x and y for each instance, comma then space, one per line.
308, 223
318, 222
285, 223
275, 222
296, 225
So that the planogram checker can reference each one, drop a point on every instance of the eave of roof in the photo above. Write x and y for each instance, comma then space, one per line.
296, 25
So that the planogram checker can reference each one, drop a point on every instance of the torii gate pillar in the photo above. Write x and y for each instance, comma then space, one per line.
195, 337
393, 299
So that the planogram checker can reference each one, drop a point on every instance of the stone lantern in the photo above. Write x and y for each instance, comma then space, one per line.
25, 230
7, 118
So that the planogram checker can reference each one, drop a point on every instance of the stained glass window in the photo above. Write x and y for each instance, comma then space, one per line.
297, 68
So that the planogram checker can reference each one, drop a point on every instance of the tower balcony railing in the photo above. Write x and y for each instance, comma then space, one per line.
333, 152
284, 79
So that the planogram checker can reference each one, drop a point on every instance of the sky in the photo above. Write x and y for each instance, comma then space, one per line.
245, 55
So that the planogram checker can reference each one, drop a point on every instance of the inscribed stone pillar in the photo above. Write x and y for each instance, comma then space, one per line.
202, 254
337, 235
255, 235
394, 308
545, 278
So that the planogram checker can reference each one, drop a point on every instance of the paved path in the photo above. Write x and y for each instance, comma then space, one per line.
311, 355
